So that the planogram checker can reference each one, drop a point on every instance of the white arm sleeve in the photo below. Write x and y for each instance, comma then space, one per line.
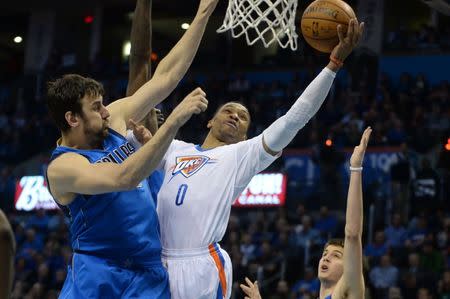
132, 139
281, 132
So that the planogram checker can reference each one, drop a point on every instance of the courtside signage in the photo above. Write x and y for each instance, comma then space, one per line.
32, 194
264, 190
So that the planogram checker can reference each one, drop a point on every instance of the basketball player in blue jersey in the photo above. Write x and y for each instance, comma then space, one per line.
340, 268
97, 177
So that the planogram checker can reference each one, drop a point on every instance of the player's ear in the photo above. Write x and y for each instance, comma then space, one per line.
72, 119
209, 125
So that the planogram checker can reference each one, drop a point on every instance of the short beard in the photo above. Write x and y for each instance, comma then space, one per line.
95, 138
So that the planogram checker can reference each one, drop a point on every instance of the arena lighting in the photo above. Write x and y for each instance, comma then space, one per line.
88, 19
328, 142
447, 146
18, 39
126, 49
185, 26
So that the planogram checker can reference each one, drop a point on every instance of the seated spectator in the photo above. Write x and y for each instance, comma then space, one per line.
306, 235
384, 276
417, 233
395, 233
431, 259
394, 293
310, 284
444, 286
326, 223
248, 249
378, 248
39, 221
31, 243
282, 291
424, 293
422, 276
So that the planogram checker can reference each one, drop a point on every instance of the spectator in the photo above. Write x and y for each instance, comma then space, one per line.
417, 233
425, 188
248, 249
384, 276
282, 290
305, 235
377, 248
394, 293
396, 233
310, 285
431, 259
444, 286
326, 223
424, 293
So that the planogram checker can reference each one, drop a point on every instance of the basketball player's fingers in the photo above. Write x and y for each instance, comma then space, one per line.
202, 107
357, 36
245, 288
351, 29
340, 32
248, 281
132, 124
200, 91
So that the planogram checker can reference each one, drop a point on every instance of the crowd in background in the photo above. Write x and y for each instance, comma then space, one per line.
409, 255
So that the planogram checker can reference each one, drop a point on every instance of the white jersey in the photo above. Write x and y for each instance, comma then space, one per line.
200, 186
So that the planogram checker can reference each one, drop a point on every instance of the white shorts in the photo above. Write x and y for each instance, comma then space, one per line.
204, 273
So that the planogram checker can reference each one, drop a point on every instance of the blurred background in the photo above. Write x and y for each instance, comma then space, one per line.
397, 82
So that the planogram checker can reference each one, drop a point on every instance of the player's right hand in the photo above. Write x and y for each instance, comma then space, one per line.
348, 41
193, 103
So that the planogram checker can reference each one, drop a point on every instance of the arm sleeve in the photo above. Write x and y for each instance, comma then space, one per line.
252, 158
280, 133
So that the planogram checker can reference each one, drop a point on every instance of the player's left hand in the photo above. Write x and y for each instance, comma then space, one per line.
251, 289
348, 41
141, 133
358, 153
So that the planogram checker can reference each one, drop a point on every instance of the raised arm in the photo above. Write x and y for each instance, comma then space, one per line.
71, 173
141, 38
167, 75
279, 134
7, 251
352, 281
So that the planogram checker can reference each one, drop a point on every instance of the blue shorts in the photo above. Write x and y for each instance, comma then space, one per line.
93, 277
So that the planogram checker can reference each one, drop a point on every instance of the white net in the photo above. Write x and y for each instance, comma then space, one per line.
265, 20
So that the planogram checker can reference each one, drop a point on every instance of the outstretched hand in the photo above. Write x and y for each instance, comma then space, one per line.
359, 151
348, 41
141, 133
250, 289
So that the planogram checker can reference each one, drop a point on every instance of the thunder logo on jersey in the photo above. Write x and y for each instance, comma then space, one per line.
188, 165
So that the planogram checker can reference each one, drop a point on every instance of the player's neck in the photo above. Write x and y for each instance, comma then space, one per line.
75, 140
326, 289
211, 142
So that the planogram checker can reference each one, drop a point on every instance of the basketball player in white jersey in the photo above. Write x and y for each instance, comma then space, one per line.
340, 268
202, 181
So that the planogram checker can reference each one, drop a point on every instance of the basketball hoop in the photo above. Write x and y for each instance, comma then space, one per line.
265, 20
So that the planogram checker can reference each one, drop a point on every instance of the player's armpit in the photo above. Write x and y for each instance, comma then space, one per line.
141, 102
72, 173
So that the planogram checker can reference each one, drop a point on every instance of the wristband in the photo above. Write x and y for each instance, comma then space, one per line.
356, 168
336, 61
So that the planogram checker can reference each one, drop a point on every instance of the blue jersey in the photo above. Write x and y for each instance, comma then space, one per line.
116, 226
155, 181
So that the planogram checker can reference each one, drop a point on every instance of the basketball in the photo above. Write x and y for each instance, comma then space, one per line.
320, 20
